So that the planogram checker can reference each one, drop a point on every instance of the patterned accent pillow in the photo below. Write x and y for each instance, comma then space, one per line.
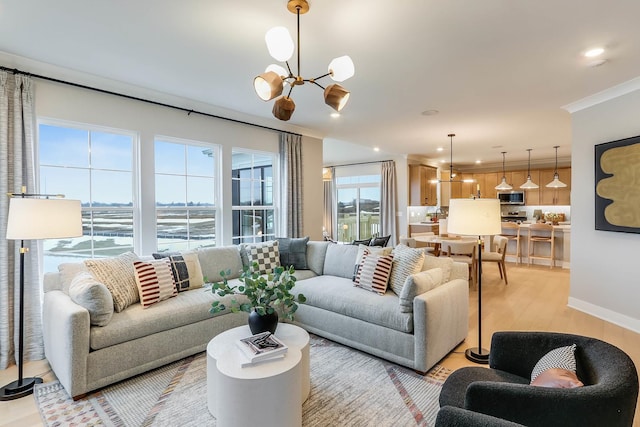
293, 252
373, 273
154, 280
559, 358
118, 275
265, 254
87, 292
406, 261
362, 250
186, 269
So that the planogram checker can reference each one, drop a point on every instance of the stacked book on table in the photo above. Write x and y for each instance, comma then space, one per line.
261, 348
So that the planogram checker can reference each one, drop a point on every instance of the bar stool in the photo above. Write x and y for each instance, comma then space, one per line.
511, 231
541, 233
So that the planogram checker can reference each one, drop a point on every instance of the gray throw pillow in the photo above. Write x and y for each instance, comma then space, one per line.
293, 251
87, 292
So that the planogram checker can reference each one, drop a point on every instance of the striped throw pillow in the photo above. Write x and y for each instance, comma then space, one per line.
406, 261
373, 273
154, 280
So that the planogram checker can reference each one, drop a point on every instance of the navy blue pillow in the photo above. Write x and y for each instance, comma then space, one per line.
293, 251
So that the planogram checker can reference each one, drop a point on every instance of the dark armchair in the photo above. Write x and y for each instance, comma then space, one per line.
608, 398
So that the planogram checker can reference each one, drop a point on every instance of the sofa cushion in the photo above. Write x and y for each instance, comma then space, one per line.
316, 252
338, 294
135, 322
68, 271
445, 263
155, 281
266, 254
362, 250
293, 251
87, 292
417, 284
340, 260
406, 261
216, 259
373, 273
118, 276
186, 269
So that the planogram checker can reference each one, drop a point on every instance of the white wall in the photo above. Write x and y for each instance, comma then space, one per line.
604, 273
63, 102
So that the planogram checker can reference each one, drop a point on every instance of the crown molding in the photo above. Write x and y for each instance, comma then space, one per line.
606, 95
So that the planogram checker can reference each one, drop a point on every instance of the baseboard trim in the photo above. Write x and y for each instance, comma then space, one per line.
605, 314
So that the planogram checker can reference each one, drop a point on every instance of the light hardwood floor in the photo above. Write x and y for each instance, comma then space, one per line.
535, 299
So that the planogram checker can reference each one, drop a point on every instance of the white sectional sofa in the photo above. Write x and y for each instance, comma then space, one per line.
86, 357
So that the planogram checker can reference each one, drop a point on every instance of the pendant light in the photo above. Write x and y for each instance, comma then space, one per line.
529, 185
503, 186
452, 174
556, 183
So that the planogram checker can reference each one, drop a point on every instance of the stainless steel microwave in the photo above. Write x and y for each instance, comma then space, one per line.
511, 198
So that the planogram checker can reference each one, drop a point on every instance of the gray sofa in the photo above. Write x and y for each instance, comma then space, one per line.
85, 357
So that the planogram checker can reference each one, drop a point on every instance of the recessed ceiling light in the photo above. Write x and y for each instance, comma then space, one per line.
430, 112
376, 148
439, 149
442, 161
478, 161
592, 53
335, 115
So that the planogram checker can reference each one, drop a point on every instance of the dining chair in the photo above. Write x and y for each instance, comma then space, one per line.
541, 234
497, 255
462, 251
511, 231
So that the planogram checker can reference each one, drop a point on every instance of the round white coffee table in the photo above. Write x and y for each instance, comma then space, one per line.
266, 394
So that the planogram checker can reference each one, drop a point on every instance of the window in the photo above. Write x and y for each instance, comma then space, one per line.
252, 181
185, 194
95, 166
358, 207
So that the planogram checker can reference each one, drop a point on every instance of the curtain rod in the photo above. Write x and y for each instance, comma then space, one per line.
135, 98
356, 164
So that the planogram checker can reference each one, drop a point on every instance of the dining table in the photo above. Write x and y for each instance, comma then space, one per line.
435, 241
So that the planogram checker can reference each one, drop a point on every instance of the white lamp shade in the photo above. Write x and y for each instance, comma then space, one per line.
279, 43
503, 185
556, 183
341, 68
474, 217
279, 70
529, 185
35, 219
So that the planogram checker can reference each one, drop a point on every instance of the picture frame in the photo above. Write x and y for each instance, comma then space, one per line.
617, 198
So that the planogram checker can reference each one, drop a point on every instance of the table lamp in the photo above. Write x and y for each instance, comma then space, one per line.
32, 217
475, 217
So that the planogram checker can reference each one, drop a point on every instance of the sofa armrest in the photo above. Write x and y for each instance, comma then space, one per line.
459, 270
52, 281
440, 322
530, 405
451, 416
66, 328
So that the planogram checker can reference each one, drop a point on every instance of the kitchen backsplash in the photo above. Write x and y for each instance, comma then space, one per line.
419, 213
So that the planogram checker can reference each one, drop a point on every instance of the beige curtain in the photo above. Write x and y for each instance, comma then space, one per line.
388, 201
17, 166
291, 179
329, 222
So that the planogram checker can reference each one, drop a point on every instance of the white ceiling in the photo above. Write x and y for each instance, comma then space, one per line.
498, 71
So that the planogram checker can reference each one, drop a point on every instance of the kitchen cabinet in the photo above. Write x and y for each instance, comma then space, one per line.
422, 189
488, 187
555, 196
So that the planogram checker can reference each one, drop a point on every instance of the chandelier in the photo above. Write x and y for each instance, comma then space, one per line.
270, 84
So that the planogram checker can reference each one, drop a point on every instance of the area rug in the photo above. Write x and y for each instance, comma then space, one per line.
348, 388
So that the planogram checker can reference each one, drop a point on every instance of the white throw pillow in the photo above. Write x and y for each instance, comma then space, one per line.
118, 276
406, 261
87, 292
417, 284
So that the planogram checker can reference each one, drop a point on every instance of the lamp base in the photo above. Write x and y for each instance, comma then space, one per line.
13, 391
477, 355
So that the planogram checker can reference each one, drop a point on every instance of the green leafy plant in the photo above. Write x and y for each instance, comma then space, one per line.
266, 294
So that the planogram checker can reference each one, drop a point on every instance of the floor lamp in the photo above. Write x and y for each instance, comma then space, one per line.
475, 217
32, 217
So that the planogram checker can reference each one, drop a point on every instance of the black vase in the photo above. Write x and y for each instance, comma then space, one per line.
259, 324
